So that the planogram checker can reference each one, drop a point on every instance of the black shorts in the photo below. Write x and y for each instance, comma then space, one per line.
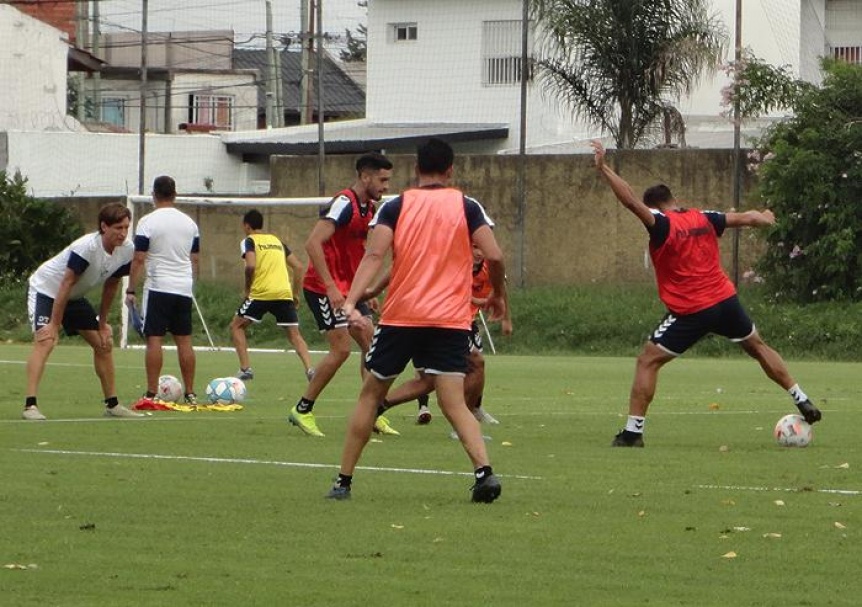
79, 315
328, 318
284, 311
433, 351
677, 333
475, 338
164, 312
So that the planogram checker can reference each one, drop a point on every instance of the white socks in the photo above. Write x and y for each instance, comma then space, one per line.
798, 395
635, 423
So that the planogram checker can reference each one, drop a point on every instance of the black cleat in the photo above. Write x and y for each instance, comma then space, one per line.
628, 439
809, 411
486, 490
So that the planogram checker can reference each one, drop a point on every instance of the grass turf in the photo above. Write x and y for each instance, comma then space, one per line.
227, 508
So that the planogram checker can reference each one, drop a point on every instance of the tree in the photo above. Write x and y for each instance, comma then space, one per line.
616, 64
810, 169
357, 44
31, 230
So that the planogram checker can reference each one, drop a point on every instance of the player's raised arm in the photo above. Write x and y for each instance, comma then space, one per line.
622, 190
754, 219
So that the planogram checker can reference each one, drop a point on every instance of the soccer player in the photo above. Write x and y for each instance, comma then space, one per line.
427, 313
335, 247
420, 386
56, 296
167, 244
268, 288
699, 296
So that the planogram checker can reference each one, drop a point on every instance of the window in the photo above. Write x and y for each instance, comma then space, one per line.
501, 53
402, 32
850, 54
213, 110
113, 111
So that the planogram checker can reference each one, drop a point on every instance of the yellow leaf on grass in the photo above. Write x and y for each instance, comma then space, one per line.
772, 535
840, 525
729, 555
845, 465
778, 502
394, 526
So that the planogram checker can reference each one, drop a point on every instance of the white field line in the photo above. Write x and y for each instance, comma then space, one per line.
780, 489
260, 462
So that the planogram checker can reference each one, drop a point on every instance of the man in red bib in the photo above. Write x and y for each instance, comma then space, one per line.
699, 296
427, 314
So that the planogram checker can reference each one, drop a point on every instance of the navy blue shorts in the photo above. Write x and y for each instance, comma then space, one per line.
167, 312
328, 318
677, 333
79, 315
284, 311
433, 350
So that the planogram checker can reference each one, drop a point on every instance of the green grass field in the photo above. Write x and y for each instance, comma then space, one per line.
228, 509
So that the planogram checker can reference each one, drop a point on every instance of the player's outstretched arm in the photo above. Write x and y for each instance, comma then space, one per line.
622, 190
754, 219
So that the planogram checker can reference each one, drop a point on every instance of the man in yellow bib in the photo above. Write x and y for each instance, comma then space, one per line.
268, 288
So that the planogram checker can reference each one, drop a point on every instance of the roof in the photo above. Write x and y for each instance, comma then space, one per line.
342, 97
355, 136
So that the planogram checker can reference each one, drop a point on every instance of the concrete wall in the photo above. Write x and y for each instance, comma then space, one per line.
576, 231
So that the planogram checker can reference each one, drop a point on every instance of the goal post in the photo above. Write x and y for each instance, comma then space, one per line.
219, 219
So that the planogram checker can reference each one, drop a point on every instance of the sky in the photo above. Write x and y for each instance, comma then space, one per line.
245, 17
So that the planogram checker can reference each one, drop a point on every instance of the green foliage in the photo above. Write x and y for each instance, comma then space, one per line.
31, 230
811, 177
596, 320
617, 64
356, 44
758, 88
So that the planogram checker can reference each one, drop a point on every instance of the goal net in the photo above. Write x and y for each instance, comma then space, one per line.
219, 220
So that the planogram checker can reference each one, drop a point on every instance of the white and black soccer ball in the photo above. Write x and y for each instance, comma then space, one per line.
220, 391
793, 431
170, 389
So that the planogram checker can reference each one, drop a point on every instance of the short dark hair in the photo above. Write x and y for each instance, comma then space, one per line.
254, 219
434, 157
113, 213
164, 187
656, 195
373, 161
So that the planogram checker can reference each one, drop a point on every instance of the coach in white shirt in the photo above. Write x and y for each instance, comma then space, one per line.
56, 297
167, 242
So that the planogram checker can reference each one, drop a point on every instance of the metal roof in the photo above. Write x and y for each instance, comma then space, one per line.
355, 136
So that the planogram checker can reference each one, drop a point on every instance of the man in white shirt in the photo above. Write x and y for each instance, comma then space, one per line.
167, 242
56, 297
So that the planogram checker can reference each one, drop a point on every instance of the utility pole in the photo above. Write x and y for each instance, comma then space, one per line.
271, 80
97, 51
82, 25
521, 189
142, 124
321, 148
737, 120
306, 42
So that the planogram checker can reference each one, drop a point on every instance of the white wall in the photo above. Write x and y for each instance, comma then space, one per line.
437, 78
32, 74
100, 164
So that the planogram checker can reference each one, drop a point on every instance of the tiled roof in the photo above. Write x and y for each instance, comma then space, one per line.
341, 95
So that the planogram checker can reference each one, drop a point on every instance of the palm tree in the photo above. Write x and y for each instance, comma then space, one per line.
616, 63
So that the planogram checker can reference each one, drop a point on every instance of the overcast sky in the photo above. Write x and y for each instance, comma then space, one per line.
245, 17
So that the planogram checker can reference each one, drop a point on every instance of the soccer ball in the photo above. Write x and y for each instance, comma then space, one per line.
793, 431
170, 389
239, 389
220, 391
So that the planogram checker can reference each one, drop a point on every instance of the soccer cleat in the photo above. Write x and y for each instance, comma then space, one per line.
484, 417
486, 490
245, 374
423, 418
624, 438
33, 414
338, 493
121, 411
809, 411
381, 426
305, 422
309, 375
